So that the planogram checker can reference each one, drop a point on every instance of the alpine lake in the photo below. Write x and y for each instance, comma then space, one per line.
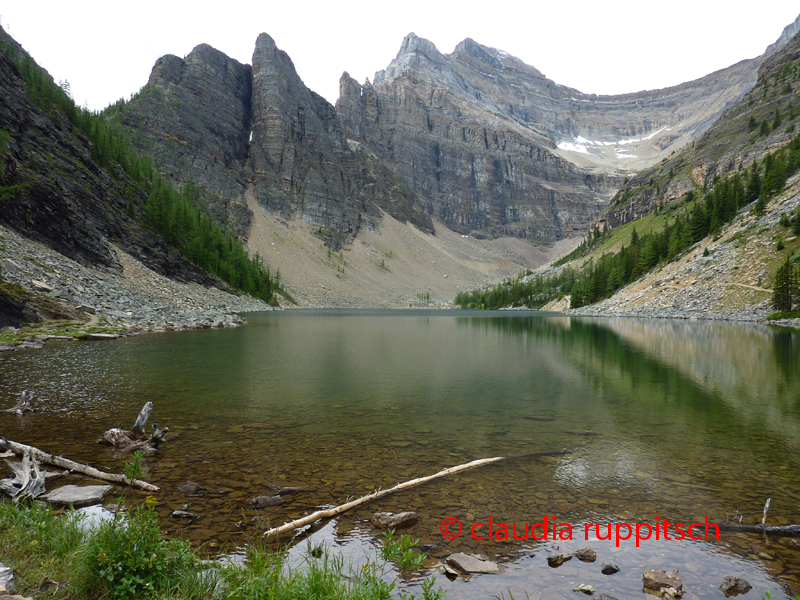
604, 421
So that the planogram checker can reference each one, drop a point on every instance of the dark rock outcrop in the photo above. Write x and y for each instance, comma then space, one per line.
193, 117
66, 200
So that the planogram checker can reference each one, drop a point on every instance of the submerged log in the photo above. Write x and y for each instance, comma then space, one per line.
25, 404
28, 481
58, 461
787, 530
325, 514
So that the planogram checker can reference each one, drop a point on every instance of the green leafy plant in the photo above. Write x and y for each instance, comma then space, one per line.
402, 552
126, 557
133, 469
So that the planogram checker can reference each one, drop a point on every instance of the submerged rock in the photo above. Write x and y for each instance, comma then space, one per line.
586, 589
733, 586
609, 568
265, 501
585, 555
183, 514
556, 560
189, 487
469, 563
388, 520
664, 582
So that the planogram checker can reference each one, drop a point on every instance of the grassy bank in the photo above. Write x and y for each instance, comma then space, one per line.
127, 557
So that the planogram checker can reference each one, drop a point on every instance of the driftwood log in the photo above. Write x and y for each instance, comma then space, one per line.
28, 481
136, 440
25, 404
58, 461
332, 512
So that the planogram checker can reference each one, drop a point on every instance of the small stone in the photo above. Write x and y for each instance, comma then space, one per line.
661, 581
265, 501
556, 560
183, 514
189, 487
279, 490
586, 589
470, 563
609, 568
40, 286
585, 555
388, 520
733, 586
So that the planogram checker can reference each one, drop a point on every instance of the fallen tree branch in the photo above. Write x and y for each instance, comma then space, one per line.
20, 449
332, 512
788, 530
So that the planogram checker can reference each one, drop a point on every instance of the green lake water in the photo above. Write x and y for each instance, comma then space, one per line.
616, 420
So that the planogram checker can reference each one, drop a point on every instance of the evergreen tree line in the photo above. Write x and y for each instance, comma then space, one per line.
177, 216
601, 278
786, 290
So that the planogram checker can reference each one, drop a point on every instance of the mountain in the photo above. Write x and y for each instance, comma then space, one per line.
498, 149
89, 232
231, 128
744, 133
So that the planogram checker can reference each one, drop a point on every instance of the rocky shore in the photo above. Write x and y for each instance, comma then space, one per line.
106, 302
729, 278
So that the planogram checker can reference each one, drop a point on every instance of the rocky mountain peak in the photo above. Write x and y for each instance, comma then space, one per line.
415, 53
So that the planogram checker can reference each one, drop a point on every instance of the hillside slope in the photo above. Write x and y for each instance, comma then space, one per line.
72, 224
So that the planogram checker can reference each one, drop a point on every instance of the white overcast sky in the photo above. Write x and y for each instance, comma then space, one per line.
107, 49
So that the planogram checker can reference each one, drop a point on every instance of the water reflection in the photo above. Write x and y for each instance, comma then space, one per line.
616, 418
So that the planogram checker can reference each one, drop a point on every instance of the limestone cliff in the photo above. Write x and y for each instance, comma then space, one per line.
495, 146
303, 164
227, 127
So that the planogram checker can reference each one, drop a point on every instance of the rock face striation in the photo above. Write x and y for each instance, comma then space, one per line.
494, 146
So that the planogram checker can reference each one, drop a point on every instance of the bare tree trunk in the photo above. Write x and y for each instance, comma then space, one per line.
20, 449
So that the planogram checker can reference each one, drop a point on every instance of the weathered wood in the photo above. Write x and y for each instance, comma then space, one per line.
28, 481
24, 405
135, 440
141, 420
44, 457
332, 512
787, 530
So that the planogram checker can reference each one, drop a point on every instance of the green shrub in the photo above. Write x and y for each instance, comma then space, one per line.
126, 557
